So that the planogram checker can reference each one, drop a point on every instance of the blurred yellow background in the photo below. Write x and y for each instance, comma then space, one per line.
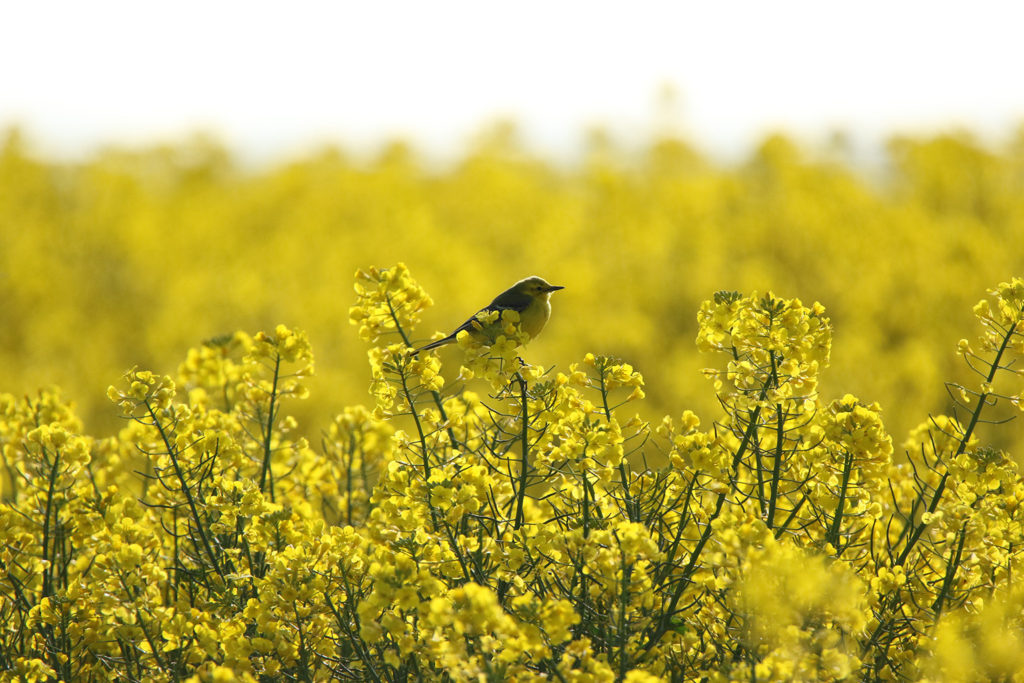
137, 254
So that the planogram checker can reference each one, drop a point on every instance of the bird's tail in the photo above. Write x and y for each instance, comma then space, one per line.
433, 345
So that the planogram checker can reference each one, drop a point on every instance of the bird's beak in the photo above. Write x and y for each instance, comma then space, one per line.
554, 288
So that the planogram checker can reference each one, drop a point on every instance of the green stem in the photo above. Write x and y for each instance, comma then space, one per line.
524, 464
833, 533
185, 489
269, 431
48, 572
983, 396
964, 440
894, 599
631, 512
348, 476
954, 564
415, 418
661, 627
773, 500
627, 572
435, 394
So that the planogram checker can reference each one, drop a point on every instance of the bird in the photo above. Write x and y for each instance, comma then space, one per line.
528, 297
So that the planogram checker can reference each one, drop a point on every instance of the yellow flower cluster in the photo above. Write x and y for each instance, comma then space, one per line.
134, 255
387, 300
533, 532
801, 613
765, 336
495, 356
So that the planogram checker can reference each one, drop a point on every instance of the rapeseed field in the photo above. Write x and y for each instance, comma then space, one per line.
766, 434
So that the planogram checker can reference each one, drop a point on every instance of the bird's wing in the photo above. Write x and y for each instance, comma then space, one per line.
510, 300
508, 304
506, 301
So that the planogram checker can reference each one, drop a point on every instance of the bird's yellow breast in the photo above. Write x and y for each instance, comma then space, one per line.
536, 316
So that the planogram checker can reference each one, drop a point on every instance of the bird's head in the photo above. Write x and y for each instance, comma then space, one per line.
536, 287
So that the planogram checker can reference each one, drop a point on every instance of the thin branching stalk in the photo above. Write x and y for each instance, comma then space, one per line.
951, 568
51, 486
268, 431
186, 490
837, 520
524, 463
773, 499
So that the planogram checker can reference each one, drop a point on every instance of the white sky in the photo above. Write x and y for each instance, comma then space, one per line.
273, 78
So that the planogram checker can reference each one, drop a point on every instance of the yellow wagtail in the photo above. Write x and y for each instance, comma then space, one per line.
529, 298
